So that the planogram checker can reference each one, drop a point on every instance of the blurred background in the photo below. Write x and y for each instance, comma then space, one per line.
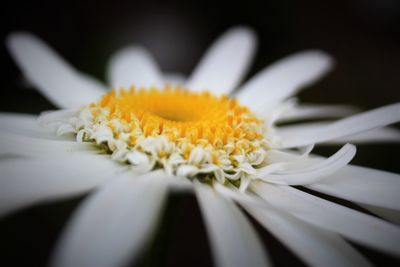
362, 35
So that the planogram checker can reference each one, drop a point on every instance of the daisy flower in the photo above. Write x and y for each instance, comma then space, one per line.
153, 133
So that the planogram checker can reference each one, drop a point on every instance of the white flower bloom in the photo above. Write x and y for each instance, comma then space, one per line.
134, 144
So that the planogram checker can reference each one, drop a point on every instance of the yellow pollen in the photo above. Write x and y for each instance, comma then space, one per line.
197, 118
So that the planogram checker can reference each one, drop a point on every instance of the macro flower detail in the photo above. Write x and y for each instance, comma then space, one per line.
131, 145
188, 134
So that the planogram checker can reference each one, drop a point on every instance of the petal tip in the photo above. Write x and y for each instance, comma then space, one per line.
244, 32
15, 39
321, 58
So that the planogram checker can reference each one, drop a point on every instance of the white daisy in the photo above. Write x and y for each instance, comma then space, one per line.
131, 145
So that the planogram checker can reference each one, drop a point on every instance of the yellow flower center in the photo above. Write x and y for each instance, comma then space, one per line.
178, 114
191, 134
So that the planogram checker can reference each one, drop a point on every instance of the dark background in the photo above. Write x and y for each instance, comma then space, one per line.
363, 37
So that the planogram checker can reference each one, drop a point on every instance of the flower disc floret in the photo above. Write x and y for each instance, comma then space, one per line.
188, 133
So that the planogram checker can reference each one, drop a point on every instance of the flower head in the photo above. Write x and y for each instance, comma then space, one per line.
146, 135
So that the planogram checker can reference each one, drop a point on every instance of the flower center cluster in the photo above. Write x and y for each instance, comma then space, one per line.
188, 133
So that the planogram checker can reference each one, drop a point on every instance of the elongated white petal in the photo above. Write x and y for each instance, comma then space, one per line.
225, 63
345, 127
233, 240
283, 79
25, 125
315, 111
363, 185
312, 173
39, 148
24, 182
379, 135
134, 66
354, 225
313, 245
52, 76
112, 226
388, 214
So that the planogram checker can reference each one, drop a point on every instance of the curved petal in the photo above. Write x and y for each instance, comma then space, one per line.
294, 175
362, 185
225, 62
353, 125
134, 66
283, 79
52, 76
352, 224
233, 240
111, 227
25, 182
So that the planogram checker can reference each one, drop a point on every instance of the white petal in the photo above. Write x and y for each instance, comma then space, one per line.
112, 226
379, 135
23, 124
283, 79
313, 245
179, 184
354, 225
363, 185
55, 78
345, 127
25, 182
134, 66
53, 118
309, 174
388, 214
315, 111
225, 62
233, 240
23, 145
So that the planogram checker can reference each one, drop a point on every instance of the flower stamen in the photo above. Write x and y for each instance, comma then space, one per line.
191, 132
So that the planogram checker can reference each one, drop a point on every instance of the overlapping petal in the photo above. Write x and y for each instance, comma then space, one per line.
292, 173
362, 185
312, 245
354, 225
352, 125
